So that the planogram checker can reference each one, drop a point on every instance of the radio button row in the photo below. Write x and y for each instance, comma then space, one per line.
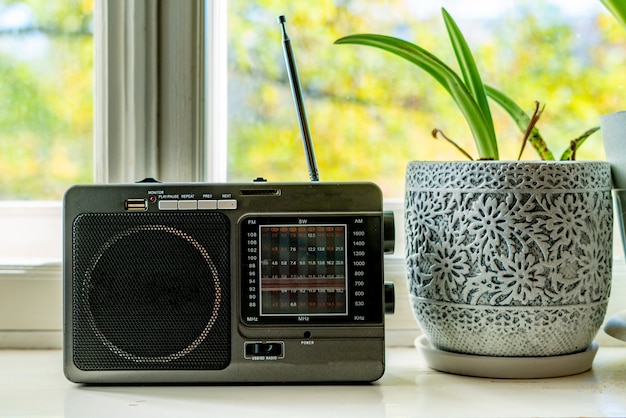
225, 204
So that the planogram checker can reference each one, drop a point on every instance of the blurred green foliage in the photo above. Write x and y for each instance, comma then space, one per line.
370, 113
46, 97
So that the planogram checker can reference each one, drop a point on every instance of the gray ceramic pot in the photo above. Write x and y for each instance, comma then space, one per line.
509, 258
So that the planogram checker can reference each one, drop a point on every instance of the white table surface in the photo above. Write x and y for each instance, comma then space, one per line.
32, 385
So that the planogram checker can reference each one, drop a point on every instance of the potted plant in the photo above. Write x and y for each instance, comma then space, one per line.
505, 259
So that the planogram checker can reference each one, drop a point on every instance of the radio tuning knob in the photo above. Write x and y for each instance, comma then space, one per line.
390, 298
389, 232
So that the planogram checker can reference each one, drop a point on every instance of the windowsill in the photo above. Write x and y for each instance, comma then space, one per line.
33, 385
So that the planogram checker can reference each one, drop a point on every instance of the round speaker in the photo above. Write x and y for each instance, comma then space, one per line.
151, 291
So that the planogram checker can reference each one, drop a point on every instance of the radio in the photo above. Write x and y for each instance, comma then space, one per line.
258, 282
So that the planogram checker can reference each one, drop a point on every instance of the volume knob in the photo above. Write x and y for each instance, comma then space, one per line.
390, 298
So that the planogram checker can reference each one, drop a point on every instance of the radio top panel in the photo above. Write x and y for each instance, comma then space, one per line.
230, 198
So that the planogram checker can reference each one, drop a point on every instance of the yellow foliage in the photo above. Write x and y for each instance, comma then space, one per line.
60, 165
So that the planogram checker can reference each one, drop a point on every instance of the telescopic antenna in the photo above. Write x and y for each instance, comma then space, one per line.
294, 80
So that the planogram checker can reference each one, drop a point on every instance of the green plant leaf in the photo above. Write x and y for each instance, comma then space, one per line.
521, 120
467, 65
617, 9
484, 136
567, 154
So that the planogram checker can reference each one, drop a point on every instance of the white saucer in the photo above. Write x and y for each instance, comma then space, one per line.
507, 367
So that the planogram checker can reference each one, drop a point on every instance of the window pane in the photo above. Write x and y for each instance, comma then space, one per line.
46, 97
371, 112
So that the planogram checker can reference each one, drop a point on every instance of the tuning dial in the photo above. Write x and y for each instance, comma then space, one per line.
389, 232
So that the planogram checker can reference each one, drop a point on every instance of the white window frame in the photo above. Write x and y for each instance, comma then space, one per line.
149, 93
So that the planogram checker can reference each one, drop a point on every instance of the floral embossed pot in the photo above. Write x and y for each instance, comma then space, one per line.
509, 258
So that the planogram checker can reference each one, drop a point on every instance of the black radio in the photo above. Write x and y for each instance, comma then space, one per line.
259, 282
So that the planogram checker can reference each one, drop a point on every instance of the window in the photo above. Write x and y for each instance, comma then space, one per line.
369, 112
46, 105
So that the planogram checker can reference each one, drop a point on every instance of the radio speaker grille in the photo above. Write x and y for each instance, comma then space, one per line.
151, 291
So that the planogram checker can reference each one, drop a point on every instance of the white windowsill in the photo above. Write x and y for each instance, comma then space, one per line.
33, 384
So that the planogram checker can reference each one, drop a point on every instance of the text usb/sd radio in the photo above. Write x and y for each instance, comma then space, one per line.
259, 282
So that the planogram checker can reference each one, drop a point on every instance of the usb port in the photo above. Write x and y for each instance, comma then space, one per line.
136, 204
